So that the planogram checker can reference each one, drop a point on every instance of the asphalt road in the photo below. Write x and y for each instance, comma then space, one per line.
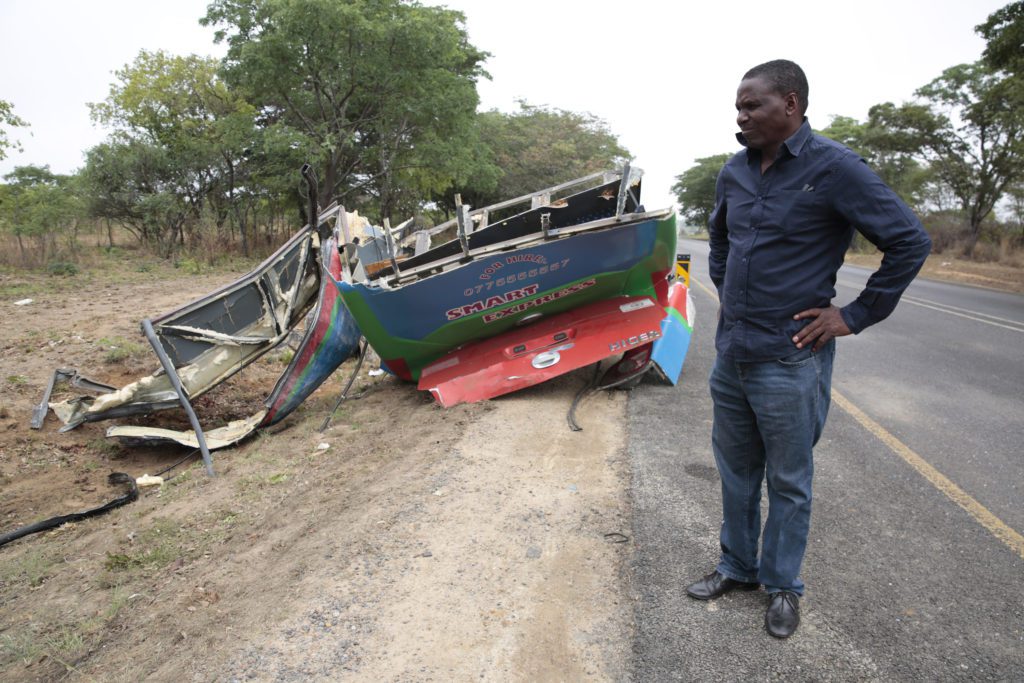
915, 564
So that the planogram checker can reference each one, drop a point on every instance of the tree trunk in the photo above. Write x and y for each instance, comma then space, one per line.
240, 215
973, 233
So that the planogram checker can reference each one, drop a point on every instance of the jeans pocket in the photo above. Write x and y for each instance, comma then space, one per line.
797, 359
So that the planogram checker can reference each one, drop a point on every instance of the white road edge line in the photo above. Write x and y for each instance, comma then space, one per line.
964, 315
962, 310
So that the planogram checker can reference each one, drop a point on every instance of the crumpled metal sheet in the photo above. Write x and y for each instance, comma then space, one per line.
210, 339
213, 337
221, 437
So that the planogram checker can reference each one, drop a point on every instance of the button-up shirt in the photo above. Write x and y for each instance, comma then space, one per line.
778, 239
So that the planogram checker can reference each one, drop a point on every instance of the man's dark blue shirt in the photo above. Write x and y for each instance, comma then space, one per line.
778, 239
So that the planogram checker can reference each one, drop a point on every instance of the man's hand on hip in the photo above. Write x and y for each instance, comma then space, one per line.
827, 323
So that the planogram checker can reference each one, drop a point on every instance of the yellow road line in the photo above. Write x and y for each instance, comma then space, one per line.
997, 527
704, 287
981, 514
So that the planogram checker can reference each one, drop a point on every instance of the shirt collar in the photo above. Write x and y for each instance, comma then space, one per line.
794, 143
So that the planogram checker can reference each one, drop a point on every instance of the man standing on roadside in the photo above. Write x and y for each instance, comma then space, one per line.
784, 216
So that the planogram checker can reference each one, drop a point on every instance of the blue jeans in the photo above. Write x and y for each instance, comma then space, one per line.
767, 418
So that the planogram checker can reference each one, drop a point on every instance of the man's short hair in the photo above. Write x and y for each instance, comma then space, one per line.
784, 77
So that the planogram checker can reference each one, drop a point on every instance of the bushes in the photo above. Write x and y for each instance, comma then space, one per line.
947, 230
65, 268
998, 242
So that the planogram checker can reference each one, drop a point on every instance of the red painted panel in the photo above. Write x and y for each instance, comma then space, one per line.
677, 298
546, 349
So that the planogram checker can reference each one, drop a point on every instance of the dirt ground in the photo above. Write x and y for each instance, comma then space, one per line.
949, 268
406, 543
482, 542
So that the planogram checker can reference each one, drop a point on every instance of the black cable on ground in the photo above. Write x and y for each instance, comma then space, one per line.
585, 391
168, 469
116, 478
592, 387
625, 380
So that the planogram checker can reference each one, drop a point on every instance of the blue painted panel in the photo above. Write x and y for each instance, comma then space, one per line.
418, 309
669, 352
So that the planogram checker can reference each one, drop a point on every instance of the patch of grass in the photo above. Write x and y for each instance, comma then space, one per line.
22, 290
120, 349
104, 446
33, 567
189, 265
183, 478
66, 644
17, 380
20, 646
177, 486
218, 526
248, 484
64, 268
252, 484
118, 599
154, 548
229, 520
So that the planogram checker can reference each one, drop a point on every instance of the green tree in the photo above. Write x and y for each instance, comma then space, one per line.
137, 185
8, 119
1004, 33
40, 207
1015, 193
847, 131
383, 90
534, 148
893, 163
968, 130
695, 189
190, 132
538, 147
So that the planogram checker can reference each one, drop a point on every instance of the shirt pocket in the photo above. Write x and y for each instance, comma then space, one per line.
801, 209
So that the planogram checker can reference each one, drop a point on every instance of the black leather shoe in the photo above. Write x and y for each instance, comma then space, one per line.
783, 615
715, 585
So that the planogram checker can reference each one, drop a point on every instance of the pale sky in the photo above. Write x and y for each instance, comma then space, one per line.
663, 75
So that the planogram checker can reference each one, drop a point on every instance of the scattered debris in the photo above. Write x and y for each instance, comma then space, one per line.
212, 338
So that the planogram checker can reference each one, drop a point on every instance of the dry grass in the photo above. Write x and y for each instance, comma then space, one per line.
951, 268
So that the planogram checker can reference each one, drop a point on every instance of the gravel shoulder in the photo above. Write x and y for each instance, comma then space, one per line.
420, 544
